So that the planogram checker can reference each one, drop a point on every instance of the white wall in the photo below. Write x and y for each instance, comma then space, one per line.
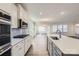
31, 27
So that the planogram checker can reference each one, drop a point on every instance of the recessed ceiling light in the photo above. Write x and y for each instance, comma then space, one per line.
62, 13
77, 24
41, 13
45, 19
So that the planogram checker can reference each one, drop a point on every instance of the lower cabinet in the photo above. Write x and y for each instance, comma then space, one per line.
53, 49
27, 43
21, 48
56, 50
49, 47
18, 49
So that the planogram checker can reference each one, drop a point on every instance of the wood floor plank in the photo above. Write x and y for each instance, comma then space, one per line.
39, 46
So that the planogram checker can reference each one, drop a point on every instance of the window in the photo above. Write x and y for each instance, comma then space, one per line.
54, 28
62, 28
42, 29
77, 28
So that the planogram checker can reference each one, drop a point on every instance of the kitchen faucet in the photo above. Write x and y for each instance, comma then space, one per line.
58, 32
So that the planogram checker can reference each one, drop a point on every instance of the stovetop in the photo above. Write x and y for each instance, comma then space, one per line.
20, 36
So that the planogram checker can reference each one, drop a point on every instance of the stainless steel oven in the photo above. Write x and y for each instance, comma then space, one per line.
4, 34
5, 25
5, 45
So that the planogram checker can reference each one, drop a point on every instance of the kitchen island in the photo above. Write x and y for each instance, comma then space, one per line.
65, 46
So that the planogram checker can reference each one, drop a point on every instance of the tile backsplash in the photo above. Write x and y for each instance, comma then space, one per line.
15, 31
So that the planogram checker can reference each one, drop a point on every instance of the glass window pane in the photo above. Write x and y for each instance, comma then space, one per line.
42, 29
60, 27
64, 28
54, 28
77, 28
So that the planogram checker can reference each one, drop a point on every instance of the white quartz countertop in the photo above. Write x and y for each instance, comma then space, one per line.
66, 44
17, 40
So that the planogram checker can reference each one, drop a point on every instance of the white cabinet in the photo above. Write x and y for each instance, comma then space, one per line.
23, 13
14, 15
18, 49
6, 7
16, 12
27, 43
53, 49
56, 51
50, 47
21, 48
12, 10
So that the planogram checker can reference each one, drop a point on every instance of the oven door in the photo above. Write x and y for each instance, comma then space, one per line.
7, 53
4, 34
4, 40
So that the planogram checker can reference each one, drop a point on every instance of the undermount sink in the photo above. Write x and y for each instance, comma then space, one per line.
54, 38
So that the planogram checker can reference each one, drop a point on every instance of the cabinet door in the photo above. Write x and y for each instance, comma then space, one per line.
11, 9
14, 18
23, 14
56, 51
48, 46
27, 43
18, 50
21, 48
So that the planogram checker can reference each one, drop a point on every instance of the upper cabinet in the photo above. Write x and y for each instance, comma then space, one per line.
16, 12
6, 7
23, 14
12, 10
14, 15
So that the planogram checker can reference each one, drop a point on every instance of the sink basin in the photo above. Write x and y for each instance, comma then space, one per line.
54, 38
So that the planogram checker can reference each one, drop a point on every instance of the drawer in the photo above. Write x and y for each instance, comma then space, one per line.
56, 50
27, 44
18, 49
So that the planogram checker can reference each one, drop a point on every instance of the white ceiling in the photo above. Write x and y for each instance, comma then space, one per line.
53, 12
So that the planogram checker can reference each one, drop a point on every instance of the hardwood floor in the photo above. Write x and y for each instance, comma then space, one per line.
39, 46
